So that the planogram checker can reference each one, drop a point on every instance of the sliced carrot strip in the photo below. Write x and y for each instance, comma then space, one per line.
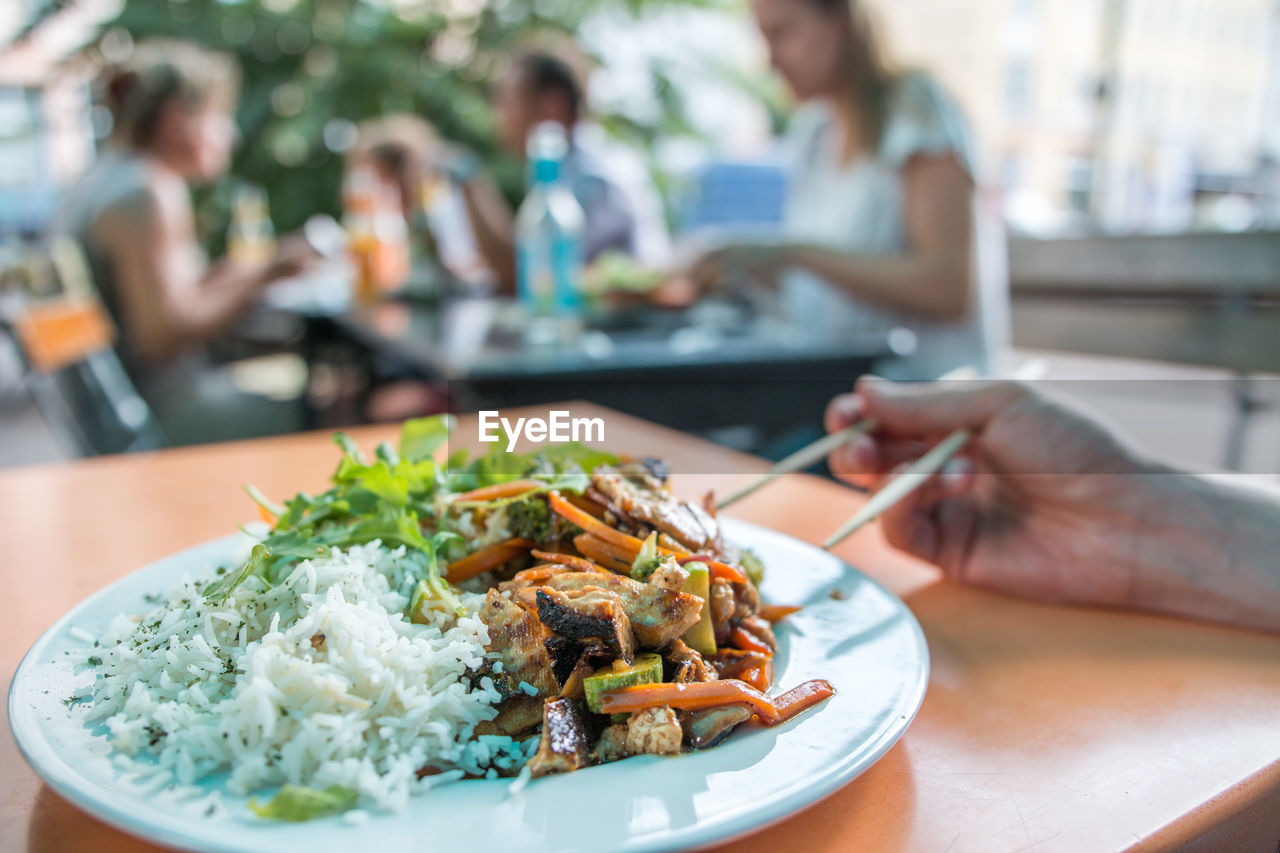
534, 574
727, 572
592, 525
755, 677
705, 694
585, 504
265, 515
801, 698
622, 555
731, 665
499, 490
718, 569
598, 550
489, 557
712, 694
749, 642
777, 612
573, 561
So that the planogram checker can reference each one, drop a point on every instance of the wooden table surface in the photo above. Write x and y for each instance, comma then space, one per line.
1044, 728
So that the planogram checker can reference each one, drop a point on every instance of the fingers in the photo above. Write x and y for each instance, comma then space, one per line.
843, 411
935, 523
912, 529
928, 409
857, 462
707, 270
866, 459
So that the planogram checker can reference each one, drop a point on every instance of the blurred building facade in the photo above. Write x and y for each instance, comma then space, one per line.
1123, 115
45, 118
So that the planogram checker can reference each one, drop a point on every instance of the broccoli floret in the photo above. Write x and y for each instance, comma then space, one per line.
752, 565
644, 570
530, 519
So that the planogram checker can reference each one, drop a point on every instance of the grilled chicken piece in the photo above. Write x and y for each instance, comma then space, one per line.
689, 664
531, 577
565, 745
568, 656
723, 606
747, 600
657, 615
670, 575
635, 498
516, 715
520, 638
710, 726
587, 615
650, 471
613, 744
654, 731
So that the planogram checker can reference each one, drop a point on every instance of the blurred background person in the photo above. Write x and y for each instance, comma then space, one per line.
540, 87
879, 228
400, 151
131, 214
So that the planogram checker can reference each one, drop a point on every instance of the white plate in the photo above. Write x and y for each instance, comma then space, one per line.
867, 644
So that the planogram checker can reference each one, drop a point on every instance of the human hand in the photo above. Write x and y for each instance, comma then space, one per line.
722, 265
1042, 502
456, 162
294, 256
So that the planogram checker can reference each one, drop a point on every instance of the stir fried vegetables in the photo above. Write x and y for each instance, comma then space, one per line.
403, 497
605, 594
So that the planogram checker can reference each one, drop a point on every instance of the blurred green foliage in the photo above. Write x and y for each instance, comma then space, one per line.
310, 67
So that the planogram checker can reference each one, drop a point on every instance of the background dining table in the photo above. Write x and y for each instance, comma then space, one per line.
1044, 727
712, 368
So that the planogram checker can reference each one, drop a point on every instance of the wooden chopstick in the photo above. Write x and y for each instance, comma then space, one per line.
800, 460
902, 485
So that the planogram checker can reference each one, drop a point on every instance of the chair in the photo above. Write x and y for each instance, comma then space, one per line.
736, 195
72, 371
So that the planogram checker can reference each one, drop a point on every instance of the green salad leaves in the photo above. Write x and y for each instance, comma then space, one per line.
403, 496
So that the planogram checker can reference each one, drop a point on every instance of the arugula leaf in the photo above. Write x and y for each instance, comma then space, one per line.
350, 449
298, 803
437, 584
218, 592
586, 458
561, 466
389, 525
263, 501
420, 437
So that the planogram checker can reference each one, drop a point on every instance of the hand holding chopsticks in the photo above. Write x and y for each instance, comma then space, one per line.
901, 486
801, 459
890, 494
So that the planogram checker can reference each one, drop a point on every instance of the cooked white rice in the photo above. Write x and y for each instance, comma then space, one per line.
319, 680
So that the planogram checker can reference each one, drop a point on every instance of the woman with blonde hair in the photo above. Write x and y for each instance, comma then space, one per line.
879, 230
131, 214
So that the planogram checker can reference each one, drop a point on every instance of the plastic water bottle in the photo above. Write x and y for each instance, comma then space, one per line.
549, 242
